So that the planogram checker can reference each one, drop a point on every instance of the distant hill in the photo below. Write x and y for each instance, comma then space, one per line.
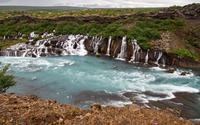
38, 8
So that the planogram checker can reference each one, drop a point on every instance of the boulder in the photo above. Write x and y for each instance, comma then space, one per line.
171, 70
96, 106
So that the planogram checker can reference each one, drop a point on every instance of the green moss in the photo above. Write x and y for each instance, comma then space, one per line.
98, 54
4, 45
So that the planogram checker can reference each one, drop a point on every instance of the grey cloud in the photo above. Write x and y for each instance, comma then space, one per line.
100, 3
4, 1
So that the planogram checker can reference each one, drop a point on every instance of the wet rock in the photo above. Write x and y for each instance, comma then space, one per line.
47, 44
115, 67
184, 73
20, 48
42, 54
34, 56
171, 70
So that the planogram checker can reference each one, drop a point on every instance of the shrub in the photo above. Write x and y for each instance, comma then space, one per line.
183, 52
175, 7
5, 80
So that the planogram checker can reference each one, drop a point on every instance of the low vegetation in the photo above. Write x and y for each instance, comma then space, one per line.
144, 30
184, 52
8, 43
54, 12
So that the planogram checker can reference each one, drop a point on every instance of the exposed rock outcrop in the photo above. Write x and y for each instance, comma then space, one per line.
30, 110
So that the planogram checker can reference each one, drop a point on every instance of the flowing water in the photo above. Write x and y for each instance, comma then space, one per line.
121, 55
83, 80
136, 52
108, 48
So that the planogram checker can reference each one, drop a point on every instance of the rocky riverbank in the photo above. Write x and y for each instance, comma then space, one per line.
30, 110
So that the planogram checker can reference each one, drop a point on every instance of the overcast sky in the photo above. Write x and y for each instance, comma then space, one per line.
100, 3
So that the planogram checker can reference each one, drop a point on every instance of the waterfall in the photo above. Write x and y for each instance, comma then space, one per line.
136, 51
24, 54
64, 45
95, 43
121, 55
81, 48
74, 45
108, 49
147, 57
159, 56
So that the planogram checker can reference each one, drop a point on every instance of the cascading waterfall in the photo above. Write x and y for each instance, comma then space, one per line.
147, 57
136, 52
121, 56
108, 49
159, 57
95, 43
73, 45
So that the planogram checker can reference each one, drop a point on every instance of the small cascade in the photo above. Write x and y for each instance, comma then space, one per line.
158, 57
147, 57
33, 35
95, 43
46, 34
136, 52
82, 51
108, 49
164, 62
121, 55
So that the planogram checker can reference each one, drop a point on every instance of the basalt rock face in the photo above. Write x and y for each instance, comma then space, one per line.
191, 11
82, 45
